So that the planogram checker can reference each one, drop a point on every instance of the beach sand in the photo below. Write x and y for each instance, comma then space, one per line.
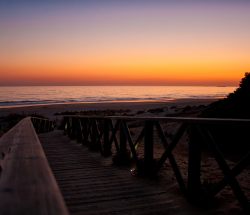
51, 109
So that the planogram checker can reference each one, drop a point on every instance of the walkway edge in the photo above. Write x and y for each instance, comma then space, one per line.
27, 184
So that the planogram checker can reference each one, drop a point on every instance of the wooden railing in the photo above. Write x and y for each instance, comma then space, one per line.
110, 133
27, 184
42, 125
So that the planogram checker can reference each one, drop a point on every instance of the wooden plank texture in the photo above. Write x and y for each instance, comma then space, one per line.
27, 185
92, 185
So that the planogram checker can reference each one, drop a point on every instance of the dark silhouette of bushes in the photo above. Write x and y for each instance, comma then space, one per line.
236, 105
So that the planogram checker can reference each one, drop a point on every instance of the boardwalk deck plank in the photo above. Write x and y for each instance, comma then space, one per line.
90, 183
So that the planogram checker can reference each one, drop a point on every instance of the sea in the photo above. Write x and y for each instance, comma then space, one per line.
44, 95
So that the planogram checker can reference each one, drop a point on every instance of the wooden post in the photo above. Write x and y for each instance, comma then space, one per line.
94, 136
123, 140
149, 147
78, 130
72, 127
194, 165
85, 131
69, 126
106, 144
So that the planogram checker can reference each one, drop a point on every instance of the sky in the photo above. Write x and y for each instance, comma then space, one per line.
132, 42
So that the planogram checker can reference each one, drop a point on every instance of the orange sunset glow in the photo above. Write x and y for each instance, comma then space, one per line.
125, 44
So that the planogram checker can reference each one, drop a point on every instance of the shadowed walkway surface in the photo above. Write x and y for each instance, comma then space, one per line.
90, 183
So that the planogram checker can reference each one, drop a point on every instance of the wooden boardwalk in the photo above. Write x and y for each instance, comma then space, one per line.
90, 183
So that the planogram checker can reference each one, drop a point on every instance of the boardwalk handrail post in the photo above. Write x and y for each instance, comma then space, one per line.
74, 128
94, 145
194, 165
78, 130
123, 140
69, 127
85, 131
149, 167
106, 144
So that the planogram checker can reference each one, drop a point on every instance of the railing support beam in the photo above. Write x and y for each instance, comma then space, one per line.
194, 166
123, 156
106, 143
149, 164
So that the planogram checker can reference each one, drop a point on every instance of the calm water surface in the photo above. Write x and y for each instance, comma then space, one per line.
12, 96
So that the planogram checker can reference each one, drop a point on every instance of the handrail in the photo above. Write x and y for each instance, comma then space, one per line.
27, 184
42, 125
101, 132
200, 120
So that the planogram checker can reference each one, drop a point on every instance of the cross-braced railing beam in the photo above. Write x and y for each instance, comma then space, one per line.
101, 133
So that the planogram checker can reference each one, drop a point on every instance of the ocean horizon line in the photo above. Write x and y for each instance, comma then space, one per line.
16, 96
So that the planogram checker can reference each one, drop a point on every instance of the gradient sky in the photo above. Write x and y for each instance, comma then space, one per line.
114, 42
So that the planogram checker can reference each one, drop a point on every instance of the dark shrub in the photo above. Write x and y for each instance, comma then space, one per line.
236, 105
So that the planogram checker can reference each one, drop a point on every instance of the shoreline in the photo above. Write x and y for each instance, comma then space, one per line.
49, 110
110, 102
